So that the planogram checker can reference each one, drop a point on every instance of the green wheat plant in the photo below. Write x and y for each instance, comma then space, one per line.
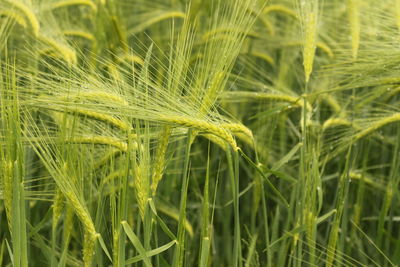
199, 133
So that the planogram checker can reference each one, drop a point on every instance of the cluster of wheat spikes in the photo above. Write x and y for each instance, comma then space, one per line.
199, 133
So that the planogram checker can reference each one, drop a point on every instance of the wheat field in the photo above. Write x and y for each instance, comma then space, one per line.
231, 133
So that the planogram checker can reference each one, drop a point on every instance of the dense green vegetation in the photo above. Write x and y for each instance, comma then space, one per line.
199, 133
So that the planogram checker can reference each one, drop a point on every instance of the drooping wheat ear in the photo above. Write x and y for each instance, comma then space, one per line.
68, 54
378, 124
58, 205
15, 16
241, 132
309, 43
239, 95
130, 58
203, 126
68, 223
320, 45
29, 14
354, 21
216, 140
81, 212
164, 15
279, 8
238, 128
112, 176
107, 158
89, 241
100, 140
8, 170
332, 102
101, 117
264, 56
79, 33
159, 162
332, 122
90, 231
140, 188
66, 3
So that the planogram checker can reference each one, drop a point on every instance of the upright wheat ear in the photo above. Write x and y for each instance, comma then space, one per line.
309, 43
141, 190
354, 20
159, 161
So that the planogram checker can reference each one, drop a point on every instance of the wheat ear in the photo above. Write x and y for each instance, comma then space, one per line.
90, 231
203, 126
15, 16
101, 117
378, 124
309, 43
159, 162
66, 3
58, 205
141, 192
100, 140
354, 20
